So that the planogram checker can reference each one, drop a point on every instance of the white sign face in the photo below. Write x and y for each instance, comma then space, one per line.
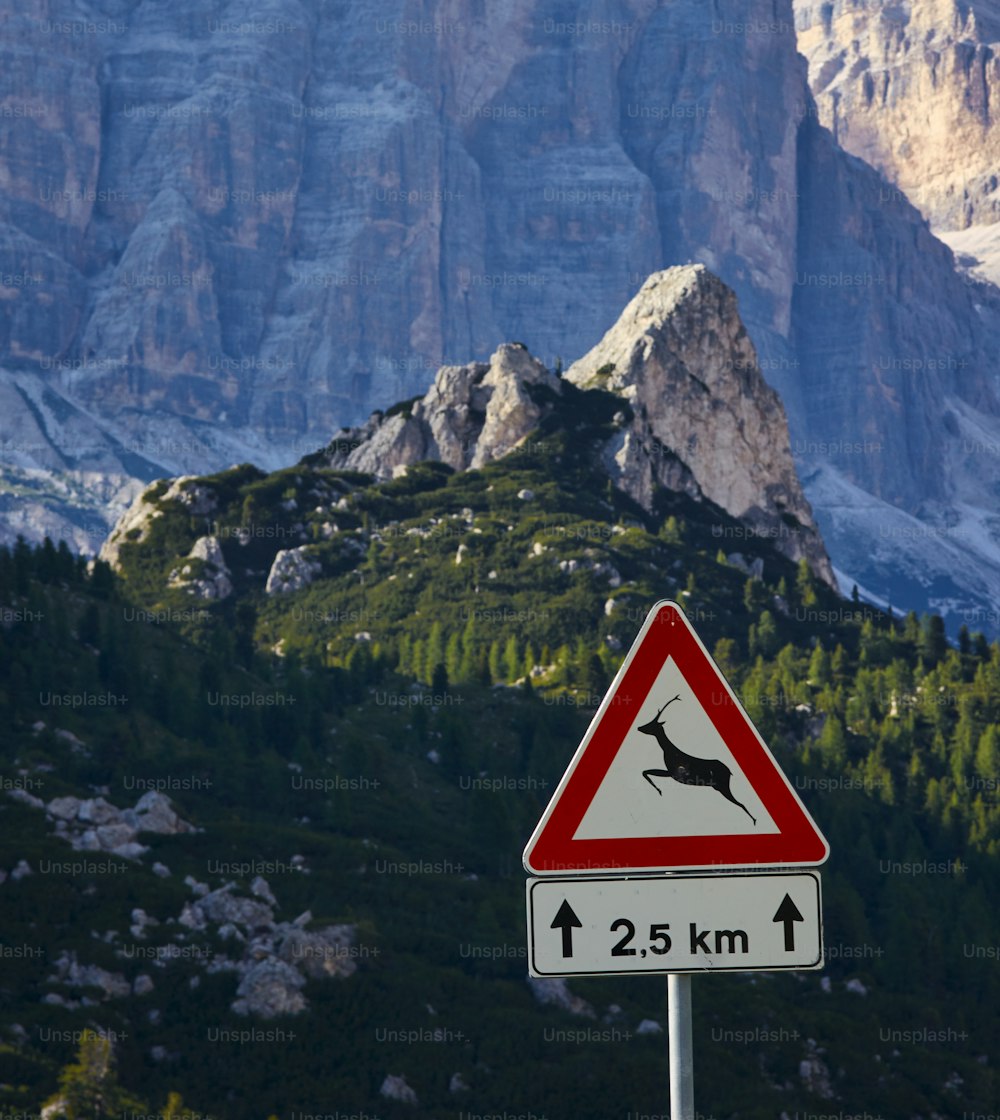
625, 805
676, 923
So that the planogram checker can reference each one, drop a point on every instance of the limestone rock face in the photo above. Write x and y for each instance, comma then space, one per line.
681, 357
912, 89
219, 245
134, 523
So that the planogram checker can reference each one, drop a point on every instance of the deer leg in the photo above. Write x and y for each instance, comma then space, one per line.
729, 797
659, 774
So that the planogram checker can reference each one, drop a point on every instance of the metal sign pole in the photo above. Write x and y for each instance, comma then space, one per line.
681, 1063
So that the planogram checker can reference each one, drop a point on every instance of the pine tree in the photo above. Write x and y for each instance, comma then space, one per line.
964, 641
418, 664
805, 584
833, 743
439, 679
453, 656
469, 667
726, 655
819, 666
89, 1088
511, 660
933, 642
493, 662
434, 653
672, 531
988, 757
404, 665
754, 596
597, 679
764, 636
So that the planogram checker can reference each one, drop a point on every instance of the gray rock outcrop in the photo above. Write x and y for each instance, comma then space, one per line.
211, 578
95, 825
291, 570
703, 419
272, 959
470, 415
682, 359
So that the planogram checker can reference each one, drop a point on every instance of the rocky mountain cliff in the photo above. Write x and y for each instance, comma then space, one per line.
700, 416
224, 231
911, 88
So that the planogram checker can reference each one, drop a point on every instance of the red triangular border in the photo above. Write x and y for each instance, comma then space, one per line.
665, 633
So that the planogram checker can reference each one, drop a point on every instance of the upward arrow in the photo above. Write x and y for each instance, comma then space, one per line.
565, 920
788, 913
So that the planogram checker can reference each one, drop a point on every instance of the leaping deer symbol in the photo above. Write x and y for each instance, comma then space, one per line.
685, 768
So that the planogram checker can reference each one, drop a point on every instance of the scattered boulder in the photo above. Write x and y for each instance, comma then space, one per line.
95, 825
555, 991
223, 906
214, 580
292, 569
22, 795
396, 1089
270, 988
814, 1072
72, 974
142, 985
324, 953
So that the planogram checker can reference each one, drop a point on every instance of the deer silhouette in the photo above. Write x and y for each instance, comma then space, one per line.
685, 768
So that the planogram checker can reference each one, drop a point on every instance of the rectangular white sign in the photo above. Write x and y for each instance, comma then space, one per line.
675, 923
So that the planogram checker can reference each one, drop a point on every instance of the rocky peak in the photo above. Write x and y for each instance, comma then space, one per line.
469, 416
681, 357
703, 419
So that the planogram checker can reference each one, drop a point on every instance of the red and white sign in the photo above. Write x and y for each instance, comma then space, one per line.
672, 775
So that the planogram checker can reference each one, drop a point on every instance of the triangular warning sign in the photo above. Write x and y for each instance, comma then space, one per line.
672, 774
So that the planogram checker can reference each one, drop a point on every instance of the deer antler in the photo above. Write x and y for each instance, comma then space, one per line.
665, 706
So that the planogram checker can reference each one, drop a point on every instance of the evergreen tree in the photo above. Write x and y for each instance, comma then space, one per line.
726, 655
453, 656
764, 636
597, 678
512, 660
89, 1088
469, 667
404, 665
964, 641
988, 757
833, 743
754, 596
672, 530
439, 679
434, 651
933, 642
819, 666
805, 584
